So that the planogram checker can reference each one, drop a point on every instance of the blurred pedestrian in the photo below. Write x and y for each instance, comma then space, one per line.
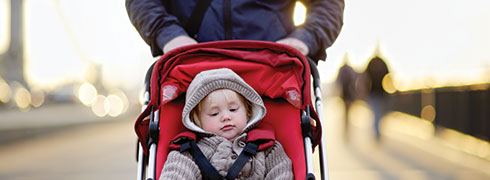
377, 98
166, 25
346, 79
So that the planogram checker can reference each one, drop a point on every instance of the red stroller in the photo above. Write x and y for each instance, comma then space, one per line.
279, 73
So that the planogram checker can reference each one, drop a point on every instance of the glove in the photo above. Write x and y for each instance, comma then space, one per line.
295, 43
178, 42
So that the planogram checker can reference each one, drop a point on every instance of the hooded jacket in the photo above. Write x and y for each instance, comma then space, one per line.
159, 21
271, 163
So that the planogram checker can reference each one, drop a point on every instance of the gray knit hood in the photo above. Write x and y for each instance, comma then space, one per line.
206, 82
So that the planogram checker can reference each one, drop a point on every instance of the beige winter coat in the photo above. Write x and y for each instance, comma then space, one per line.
271, 163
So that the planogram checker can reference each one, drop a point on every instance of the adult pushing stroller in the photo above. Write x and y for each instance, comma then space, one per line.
279, 73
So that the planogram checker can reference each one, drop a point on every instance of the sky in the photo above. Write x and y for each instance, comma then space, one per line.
3, 24
74, 35
444, 41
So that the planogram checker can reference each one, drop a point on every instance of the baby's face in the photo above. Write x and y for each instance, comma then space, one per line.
223, 113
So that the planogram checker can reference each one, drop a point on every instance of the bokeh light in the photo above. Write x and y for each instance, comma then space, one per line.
121, 94
299, 13
143, 96
22, 98
37, 97
5, 92
387, 84
87, 93
99, 107
428, 113
114, 105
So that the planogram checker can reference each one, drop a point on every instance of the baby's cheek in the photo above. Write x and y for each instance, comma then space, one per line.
210, 127
205, 125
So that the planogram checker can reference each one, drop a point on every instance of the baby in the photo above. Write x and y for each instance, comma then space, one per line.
221, 108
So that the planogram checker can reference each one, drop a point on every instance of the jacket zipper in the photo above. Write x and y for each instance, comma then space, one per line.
227, 19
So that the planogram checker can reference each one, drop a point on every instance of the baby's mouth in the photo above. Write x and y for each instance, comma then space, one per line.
227, 127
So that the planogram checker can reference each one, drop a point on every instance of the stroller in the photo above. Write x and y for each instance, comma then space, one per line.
279, 73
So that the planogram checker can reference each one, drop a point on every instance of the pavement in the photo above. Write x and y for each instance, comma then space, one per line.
358, 157
16, 124
409, 148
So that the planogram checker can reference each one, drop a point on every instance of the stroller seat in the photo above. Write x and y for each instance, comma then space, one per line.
279, 73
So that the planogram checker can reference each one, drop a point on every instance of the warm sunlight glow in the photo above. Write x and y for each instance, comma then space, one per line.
466, 143
424, 53
361, 109
50, 56
299, 14
4, 25
397, 122
480, 87
64, 38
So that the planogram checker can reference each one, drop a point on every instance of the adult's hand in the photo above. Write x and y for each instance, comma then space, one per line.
295, 43
178, 42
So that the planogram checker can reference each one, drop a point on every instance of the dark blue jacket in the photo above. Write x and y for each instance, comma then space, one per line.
160, 21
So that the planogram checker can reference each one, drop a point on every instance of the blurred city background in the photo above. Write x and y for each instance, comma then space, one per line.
406, 89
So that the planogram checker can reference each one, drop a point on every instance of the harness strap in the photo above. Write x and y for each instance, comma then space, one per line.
208, 170
247, 152
201, 160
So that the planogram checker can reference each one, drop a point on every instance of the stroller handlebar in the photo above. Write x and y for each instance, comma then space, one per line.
148, 77
314, 72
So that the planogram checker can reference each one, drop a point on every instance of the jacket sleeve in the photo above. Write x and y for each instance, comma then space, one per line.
153, 22
180, 166
322, 26
277, 164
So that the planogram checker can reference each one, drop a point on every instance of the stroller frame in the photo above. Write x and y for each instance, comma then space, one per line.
146, 166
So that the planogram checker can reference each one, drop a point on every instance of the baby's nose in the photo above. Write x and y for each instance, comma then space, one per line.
225, 117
